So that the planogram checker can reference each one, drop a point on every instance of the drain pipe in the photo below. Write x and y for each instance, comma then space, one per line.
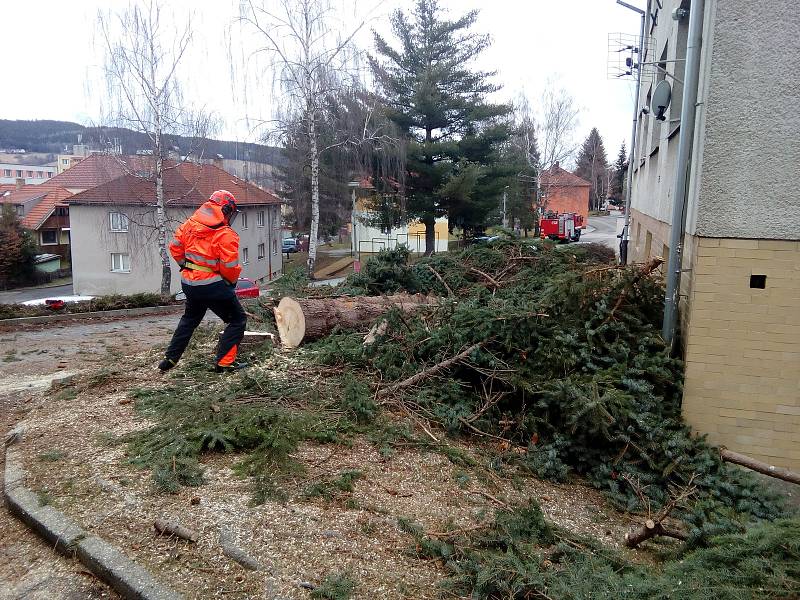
623, 246
680, 188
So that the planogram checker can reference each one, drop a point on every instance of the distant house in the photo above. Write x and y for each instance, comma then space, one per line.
42, 207
115, 250
370, 232
564, 192
11, 173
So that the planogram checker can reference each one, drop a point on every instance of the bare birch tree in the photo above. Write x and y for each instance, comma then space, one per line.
556, 126
143, 58
313, 61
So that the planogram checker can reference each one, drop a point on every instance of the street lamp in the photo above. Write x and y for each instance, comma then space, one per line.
623, 247
353, 185
505, 215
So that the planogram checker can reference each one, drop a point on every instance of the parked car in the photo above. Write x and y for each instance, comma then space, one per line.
247, 288
290, 245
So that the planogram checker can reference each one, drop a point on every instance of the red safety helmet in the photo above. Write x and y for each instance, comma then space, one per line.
225, 200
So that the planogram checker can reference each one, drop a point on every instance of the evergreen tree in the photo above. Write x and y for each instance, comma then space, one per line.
592, 165
617, 191
19, 249
454, 134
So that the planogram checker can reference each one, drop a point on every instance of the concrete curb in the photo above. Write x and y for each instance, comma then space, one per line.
122, 312
108, 563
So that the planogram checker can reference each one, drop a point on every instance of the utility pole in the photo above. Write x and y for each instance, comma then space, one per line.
623, 247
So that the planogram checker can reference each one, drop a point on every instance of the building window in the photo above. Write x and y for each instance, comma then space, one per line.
260, 218
49, 237
39, 174
64, 161
274, 245
245, 256
119, 221
30, 173
62, 211
243, 219
261, 251
20, 210
19, 173
120, 263
7, 173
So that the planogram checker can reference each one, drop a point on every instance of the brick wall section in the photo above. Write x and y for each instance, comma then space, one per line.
742, 357
568, 199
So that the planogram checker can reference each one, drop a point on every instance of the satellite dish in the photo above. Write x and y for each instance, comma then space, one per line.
660, 100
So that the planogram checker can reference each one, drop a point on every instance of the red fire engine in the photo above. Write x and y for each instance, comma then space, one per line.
564, 227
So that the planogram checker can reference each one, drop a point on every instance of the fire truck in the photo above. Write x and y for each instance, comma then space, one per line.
564, 227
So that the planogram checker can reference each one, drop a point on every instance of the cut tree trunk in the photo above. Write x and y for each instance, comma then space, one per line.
760, 467
308, 319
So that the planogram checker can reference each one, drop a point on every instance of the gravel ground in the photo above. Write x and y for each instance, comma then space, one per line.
70, 461
30, 356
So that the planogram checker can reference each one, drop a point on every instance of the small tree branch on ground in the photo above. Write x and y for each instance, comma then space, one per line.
165, 527
429, 372
653, 526
758, 466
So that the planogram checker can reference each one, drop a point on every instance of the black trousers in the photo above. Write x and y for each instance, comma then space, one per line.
218, 297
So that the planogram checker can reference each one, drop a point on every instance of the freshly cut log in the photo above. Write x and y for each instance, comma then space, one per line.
308, 319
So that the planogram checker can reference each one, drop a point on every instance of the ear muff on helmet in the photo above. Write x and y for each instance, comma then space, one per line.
229, 211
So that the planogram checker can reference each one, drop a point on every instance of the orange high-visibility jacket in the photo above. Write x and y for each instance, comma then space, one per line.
207, 247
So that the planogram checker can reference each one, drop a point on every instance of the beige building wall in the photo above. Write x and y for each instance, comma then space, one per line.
93, 244
741, 344
742, 383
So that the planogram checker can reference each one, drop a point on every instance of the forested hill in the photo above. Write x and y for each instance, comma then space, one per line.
53, 136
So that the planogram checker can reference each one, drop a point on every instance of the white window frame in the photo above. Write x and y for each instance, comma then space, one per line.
118, 265
123, 224
262, 251
260, 218
41, 237
243, 219
245, 256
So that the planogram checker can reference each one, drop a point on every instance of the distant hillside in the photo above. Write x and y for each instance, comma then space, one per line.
53, 136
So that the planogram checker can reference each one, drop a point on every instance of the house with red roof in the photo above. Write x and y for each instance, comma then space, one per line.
114, 234
42, 208
564, 192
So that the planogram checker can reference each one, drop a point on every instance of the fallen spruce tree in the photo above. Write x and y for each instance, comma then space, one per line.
553, 354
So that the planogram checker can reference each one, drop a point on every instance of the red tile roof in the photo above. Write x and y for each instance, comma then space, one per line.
555, 176
92, 171
185, 184
39, 213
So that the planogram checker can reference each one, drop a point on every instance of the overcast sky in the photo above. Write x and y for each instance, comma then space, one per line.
56, 66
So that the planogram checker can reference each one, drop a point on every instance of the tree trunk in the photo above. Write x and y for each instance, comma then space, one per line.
313, 235
308, 319
430, 235
429, 220
161, 217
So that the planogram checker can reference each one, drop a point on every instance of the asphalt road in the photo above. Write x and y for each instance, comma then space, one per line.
602, 230
25, 294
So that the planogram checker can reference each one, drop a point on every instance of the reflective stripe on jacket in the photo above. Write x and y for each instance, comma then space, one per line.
206, 241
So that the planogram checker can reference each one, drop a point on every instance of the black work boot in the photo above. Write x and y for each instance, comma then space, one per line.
166, 364
231, 368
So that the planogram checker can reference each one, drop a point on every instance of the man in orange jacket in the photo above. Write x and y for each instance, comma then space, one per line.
207, 251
